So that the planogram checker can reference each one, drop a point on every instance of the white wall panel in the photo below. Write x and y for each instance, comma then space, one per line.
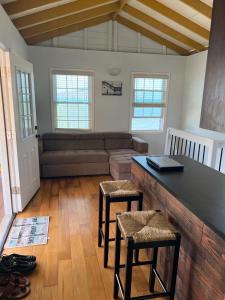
105, 37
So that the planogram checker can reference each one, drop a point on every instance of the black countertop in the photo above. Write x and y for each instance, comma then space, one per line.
201, 189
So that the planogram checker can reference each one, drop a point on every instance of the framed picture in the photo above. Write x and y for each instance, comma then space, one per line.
112, 88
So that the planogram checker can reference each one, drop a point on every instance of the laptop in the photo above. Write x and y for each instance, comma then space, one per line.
164, 163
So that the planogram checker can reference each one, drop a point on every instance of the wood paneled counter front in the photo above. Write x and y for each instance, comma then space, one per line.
194, 201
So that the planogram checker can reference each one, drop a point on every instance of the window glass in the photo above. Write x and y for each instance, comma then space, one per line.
72, 99
148, 103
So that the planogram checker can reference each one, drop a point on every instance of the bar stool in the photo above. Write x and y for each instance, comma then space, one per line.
114, 191
144, 230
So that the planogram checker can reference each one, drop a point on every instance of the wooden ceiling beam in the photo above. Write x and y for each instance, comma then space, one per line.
65, 30
163, 28
69, 20
200, 6
58, 12
176, 17
147, 33
122, 4
19, 6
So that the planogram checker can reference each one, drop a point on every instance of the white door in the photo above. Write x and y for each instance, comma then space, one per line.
6, 215
22, 130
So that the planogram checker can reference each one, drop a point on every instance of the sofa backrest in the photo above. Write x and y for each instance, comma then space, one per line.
117, 140
86, 141
63, 141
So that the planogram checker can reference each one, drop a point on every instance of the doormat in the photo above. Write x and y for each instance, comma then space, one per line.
28, 232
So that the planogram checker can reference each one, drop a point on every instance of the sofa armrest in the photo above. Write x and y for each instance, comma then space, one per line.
40, 146
140, 145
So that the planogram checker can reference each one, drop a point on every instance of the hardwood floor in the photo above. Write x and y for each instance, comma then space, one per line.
70, 266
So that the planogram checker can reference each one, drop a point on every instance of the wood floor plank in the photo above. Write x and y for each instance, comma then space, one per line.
70, 266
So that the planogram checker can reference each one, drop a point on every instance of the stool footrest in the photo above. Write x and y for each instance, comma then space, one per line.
111, 221
110, 239
151, 296
139, 263
145, 297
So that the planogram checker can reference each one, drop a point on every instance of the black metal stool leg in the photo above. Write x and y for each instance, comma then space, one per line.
139, 207
100, 211
140, 202
106, 236
153, 266
175, 265
117, 261
128, 269
128, 205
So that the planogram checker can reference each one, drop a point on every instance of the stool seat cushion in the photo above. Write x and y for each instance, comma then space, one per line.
119, 188
146, 226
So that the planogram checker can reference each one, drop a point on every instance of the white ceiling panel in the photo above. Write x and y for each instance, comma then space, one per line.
152, 29
169, 22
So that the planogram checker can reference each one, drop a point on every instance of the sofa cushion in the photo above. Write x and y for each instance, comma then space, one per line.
73, 156
72, 136
117, 135
121, 163
82, 144
118, 144
121, 152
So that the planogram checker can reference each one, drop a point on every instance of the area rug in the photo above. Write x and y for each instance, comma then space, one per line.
28, 232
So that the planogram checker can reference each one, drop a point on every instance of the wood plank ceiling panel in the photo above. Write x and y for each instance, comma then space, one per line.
176, 17
163, 28
59, 11
65, 30
19, 6
200, 6
151, 35
45, 19
69, 20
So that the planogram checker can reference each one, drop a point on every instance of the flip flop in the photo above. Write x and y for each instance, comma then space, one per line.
13, 292
14, 279
19, 280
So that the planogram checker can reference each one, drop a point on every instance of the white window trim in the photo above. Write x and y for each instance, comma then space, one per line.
166, 103
92, 113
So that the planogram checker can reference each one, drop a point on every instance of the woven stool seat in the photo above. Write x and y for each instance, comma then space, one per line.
119, 188
146, 226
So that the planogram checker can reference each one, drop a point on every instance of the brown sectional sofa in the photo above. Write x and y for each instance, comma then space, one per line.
89, 154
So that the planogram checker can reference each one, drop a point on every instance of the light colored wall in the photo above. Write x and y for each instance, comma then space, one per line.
108, 36
10, 37
111, 113
193, 93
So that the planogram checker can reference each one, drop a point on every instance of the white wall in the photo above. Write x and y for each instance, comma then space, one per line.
108, 36
111, 113
193, 93
10, 37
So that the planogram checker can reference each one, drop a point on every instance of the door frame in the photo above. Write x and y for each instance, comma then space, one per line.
6, 178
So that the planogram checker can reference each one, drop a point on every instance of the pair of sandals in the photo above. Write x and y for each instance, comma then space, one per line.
13, 268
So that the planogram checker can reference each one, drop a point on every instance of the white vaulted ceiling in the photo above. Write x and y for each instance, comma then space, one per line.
180, 25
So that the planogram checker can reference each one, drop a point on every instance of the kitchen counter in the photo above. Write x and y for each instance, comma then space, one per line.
194, 201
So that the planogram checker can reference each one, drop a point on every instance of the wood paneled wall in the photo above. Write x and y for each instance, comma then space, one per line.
201, 269
213, 106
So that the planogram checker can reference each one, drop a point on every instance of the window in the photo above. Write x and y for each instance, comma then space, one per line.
72, 100
25, 103
148, 102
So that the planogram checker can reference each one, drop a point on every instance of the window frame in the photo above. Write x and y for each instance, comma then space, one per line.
18, 93
164, 119
52, 72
